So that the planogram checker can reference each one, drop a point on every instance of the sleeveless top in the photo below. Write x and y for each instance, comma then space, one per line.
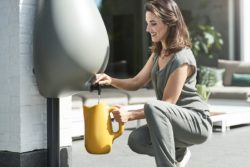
189, 97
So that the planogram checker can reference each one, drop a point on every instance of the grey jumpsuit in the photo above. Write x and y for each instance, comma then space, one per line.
171, 128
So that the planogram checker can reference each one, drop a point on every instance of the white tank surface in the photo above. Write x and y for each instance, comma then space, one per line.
70, 45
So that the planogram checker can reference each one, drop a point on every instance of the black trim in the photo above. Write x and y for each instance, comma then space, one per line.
53, 132
237, 30
37, 158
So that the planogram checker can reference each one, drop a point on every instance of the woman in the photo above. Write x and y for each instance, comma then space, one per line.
178, 118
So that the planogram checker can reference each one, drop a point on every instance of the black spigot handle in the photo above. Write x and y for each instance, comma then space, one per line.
97, 87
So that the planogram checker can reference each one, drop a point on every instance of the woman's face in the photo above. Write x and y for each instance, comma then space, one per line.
156, 28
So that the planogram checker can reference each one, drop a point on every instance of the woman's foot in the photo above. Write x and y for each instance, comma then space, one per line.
185, 159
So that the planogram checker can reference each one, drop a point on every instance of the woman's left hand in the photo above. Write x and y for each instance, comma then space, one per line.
121, 115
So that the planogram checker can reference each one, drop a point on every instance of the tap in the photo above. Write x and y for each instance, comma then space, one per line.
98, 88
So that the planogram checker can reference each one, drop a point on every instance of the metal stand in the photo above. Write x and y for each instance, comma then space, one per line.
53, 132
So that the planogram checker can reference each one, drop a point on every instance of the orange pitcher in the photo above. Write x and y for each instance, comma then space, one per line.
99, 134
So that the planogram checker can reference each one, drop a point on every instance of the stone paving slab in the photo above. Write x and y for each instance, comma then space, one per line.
230, 149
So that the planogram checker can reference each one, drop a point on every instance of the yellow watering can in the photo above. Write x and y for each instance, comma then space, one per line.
99, 134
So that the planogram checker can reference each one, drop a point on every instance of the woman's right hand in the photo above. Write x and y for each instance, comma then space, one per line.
103, 79
121, 115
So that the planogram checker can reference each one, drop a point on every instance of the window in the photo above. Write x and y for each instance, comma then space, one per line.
124, 21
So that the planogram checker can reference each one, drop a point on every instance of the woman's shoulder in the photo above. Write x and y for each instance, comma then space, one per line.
185, 55
184, 52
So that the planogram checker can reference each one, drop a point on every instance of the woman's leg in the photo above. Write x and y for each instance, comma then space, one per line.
139, 141
171, 127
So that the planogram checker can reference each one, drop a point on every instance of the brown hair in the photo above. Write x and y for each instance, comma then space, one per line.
170, 14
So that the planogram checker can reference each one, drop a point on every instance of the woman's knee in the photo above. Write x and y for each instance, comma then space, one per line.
156, 108
134, 141
138, 140
206, 134
149, 108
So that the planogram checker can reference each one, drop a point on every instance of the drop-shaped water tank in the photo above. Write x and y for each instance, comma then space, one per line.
70, 45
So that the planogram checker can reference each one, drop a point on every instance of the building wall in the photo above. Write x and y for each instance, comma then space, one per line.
125, 21
33, 105
10, 137
217, 11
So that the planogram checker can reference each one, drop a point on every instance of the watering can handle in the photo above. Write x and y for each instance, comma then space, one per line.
121, 125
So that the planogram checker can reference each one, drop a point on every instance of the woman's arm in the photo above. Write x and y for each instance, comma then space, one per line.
131, 83
124, 116
171, 94
176, 82
128, 84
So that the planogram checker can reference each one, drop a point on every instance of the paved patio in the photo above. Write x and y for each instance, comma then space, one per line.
230, 149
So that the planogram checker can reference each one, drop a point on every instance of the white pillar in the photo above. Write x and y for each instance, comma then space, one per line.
65, 121
245, 30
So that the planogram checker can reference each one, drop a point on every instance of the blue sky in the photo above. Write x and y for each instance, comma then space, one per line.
98, 2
